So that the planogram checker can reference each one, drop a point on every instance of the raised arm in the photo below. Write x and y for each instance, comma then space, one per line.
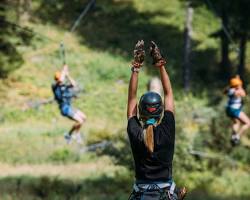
167, 88
160, 62
71, 80
132, 93
237, 83
240, 92
139, 54
64, 73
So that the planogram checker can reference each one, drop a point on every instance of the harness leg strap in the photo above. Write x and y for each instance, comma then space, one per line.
172, 187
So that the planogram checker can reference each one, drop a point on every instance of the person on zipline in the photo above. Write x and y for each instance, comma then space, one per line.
152, 139
241, 121
63, 93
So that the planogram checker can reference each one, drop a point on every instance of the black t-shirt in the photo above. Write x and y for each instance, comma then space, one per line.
158, 165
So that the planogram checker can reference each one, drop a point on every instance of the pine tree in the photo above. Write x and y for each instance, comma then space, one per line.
10, 59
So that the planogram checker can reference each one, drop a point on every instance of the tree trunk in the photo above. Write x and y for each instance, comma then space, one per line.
187, 48
23, 10
242, 56
225, 64
3, 25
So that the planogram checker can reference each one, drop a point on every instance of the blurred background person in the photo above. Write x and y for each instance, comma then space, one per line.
63, 93
241, 121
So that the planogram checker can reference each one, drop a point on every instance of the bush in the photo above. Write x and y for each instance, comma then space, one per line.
63, 155
10, 59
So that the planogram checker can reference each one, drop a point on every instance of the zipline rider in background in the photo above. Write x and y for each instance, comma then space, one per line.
241, 121
152, 141
63, 94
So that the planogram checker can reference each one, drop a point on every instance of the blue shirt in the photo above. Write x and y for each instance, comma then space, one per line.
62, 93
233, 101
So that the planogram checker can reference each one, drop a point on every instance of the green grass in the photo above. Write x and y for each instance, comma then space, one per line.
116, 186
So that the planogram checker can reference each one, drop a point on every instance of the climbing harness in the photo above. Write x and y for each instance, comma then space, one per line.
155, 191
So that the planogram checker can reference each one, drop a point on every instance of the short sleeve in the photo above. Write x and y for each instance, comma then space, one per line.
134, 128
231, 92
168, 118
168, 122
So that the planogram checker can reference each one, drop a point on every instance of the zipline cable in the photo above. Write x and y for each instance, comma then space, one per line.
72, 29
62, 52
224, 28
25, 29
74, 26
83, 13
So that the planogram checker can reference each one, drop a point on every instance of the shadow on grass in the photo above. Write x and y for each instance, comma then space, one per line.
27, 187
93, 189
115, 26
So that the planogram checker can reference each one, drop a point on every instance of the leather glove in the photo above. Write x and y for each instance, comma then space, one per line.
158, 59
139, 54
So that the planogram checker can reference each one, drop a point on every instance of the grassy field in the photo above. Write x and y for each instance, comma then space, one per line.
35, 162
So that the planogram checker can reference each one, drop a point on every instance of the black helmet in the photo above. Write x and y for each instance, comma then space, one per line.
150, 106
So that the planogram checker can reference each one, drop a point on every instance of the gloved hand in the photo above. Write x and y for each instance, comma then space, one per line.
139, 54
158, 59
